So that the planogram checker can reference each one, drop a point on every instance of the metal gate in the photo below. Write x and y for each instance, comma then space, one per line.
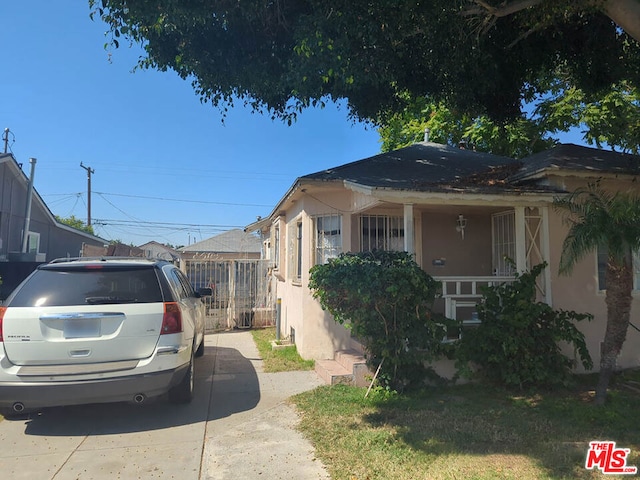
242, 293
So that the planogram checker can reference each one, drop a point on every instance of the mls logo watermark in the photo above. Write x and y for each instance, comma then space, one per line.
608, 458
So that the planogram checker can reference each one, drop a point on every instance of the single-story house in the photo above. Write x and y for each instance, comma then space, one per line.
461, 213
154, 249
234, 244
46, 238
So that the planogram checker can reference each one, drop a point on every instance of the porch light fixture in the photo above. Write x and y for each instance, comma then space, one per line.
461, 224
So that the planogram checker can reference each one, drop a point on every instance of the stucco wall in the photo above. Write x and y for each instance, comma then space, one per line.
441, 241
579, 291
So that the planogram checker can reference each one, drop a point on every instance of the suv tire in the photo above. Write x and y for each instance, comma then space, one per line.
183, 392
200, 350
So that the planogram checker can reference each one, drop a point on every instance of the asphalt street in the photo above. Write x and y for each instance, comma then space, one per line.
240, 425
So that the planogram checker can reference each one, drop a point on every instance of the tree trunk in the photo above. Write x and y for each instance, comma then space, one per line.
619, 280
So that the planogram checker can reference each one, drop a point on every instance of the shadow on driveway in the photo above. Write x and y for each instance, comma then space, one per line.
226, 383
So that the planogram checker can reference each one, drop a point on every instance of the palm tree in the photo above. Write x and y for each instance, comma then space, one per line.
610, 220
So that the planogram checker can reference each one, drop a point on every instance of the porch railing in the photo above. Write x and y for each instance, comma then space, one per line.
464, 292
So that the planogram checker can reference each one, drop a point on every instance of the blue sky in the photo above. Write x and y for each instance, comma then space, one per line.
146, 134
166, 167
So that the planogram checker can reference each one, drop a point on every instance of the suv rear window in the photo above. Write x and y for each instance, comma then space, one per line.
88, 286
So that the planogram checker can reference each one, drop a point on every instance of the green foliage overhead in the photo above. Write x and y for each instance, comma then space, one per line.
517, 341
612, 118
386, 299
517, 139
76, 223
280, 57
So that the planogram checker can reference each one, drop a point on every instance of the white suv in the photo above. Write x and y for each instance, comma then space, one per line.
100, 330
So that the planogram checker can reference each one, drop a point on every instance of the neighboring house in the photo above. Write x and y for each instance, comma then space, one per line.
461, 213
232, 245
157, 250
46, 237
231, 265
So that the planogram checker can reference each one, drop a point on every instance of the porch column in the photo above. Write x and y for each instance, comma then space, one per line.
409, 242
544, 240
521, 241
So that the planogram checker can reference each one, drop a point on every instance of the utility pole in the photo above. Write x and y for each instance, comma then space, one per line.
89, 172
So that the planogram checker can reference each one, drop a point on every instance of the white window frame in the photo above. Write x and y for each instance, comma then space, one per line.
33, 242
327, 237
389, 233
294, 234
276, 246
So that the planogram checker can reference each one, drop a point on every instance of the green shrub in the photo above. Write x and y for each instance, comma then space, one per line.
386, 299
517, 341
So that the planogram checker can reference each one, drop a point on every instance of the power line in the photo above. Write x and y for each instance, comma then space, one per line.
206, 202
106, 221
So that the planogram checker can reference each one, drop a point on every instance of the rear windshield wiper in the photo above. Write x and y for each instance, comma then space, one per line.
109, 299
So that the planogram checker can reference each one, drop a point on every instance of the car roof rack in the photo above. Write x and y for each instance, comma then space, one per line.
104, 258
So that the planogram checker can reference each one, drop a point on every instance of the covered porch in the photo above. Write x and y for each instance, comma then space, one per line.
465, 243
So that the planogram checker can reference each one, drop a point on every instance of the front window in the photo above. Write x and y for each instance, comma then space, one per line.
328, 237
381, 232
504, 242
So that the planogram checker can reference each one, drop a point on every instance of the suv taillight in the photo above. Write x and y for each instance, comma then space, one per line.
172, 319
2, 310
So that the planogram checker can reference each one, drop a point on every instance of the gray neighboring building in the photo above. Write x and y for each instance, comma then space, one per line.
47, 238
232, 245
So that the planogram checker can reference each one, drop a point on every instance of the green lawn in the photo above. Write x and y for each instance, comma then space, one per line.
282, 359
466, 432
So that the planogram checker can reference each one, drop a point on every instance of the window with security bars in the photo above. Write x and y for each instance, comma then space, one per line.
504, 242
328, 237
381, 232
603, 257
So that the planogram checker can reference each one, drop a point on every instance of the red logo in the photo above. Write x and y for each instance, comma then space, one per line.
608, 458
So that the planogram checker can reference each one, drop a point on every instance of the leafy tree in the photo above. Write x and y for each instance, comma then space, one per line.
76, 223
385, 298
612, 119
518, 138
281, 57
612, 220
516, 343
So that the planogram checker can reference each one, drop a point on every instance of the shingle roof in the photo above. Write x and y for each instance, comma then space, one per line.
580, 159
233, 241
424, 166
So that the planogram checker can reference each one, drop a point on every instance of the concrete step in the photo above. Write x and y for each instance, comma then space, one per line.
348, 367
332, 373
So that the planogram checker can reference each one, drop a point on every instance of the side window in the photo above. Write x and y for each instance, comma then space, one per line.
186, 284
176, 284
328, 237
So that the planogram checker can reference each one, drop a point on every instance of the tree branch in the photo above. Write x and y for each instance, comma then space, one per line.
482, 7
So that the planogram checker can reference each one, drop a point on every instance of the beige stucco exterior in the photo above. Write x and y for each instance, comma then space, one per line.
439, 248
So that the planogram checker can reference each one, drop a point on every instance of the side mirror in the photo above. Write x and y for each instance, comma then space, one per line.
204, 292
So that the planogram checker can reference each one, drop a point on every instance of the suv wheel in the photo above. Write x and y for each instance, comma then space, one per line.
200, 350
183, 392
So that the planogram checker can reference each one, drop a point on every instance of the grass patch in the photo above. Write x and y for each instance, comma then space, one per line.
468, 431
282, 359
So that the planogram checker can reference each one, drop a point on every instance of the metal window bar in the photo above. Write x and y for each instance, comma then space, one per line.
504, 244
381, 232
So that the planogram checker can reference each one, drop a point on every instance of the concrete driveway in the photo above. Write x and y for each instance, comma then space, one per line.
238, 426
